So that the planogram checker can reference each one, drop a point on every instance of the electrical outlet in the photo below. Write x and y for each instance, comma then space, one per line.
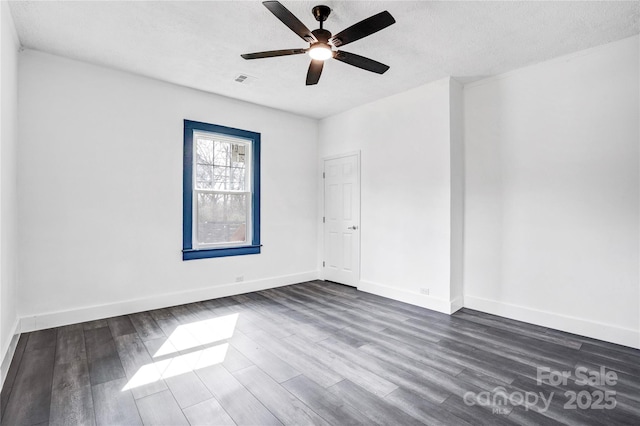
240, 278
424, 291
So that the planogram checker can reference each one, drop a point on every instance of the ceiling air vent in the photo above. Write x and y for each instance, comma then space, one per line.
244, 79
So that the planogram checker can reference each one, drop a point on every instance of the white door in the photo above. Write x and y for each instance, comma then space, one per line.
342, 219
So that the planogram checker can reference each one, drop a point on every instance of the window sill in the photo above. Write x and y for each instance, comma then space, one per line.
190, 254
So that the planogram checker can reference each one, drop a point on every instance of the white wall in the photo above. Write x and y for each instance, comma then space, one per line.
8, 202
552, 192
406, 193
456, 125
100, 181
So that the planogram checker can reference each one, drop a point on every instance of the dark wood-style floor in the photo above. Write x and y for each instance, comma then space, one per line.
312, 353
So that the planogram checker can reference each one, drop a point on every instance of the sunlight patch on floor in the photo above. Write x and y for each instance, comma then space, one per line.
186, 337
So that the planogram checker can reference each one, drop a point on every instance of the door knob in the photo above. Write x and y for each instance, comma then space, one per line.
354, 227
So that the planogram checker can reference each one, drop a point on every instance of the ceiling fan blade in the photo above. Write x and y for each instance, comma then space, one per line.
273, 53
361, 62
289, 19
363, 28
315, 69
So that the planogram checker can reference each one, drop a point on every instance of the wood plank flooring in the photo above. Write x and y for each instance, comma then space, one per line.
314, 353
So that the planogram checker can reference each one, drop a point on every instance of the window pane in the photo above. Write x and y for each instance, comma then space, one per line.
204, 151
222, 218
220, 165
229, 178
229, 166
204, 176
222, 153
204, 163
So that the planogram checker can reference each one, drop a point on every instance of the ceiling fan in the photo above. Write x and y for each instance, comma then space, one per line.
322, 42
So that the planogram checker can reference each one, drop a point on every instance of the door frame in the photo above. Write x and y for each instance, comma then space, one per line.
357, 154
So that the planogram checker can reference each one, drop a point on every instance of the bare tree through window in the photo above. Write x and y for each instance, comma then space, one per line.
222, 191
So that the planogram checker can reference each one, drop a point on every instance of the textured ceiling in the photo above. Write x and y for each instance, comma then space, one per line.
198, 44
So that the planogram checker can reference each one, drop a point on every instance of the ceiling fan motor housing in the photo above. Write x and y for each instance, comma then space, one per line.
322, 35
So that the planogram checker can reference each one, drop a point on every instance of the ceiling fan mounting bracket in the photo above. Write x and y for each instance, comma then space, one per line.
321, 13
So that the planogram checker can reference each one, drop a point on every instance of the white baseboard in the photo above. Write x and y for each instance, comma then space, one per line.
457, 304
7, 354
90, 313
411, 297
581, 326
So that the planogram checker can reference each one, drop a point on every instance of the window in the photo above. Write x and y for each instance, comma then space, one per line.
221, 193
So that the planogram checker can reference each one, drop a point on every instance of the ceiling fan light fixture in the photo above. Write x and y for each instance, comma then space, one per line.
320, 51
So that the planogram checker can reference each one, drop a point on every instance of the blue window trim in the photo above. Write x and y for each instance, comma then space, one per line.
188, 252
